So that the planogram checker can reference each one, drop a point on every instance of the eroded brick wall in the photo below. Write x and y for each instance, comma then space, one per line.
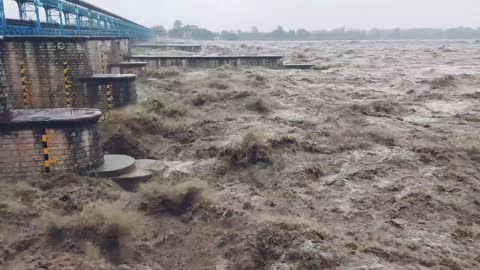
75, 149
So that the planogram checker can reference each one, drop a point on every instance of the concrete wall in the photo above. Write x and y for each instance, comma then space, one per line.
44, 65
76, 148
156, 62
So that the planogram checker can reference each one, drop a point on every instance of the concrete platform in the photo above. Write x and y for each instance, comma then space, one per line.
114, 166
124, 170
131, 180
46, 117
298, 66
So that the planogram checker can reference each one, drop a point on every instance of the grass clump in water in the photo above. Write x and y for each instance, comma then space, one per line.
176, 200
252, 149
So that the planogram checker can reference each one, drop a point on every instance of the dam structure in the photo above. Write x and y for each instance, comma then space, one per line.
57, 79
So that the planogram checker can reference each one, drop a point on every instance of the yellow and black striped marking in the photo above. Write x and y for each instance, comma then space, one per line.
68, 86
103, 63
109, 97
47, 161
25, 89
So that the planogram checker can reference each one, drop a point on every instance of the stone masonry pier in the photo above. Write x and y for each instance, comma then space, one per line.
95, 91
156, 62
37, 142
37, 68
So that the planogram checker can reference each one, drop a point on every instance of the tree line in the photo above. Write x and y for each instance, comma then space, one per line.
193, 32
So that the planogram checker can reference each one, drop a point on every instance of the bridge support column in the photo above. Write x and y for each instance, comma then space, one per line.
49, 141
3, 19
112, 51
43, 61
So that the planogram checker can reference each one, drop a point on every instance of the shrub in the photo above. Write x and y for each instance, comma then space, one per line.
378, 107
252, 149
217, 84
443, 82
315, 170
110, 227
259, 105
172, 199
175, 110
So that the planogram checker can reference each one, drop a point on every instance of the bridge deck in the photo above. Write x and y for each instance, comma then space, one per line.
68, 18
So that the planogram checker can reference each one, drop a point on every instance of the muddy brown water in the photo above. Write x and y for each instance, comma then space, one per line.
368, 161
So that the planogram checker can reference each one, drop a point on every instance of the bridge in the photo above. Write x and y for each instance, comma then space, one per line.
67, 18
62, 69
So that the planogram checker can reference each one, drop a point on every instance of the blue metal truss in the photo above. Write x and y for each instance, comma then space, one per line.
67, 18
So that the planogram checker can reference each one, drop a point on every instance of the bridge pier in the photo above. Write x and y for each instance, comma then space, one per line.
48, 141
38, 68
95, 91
50, 63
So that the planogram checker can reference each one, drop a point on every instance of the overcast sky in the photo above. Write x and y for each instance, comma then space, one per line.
309, 14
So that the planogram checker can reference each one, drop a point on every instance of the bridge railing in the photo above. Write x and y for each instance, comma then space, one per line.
67, 18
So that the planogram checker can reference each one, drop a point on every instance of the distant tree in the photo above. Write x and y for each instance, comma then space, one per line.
290, 35
302, 34
177, 31
160, 31
229, 35
182, 31
177, 24
278, 34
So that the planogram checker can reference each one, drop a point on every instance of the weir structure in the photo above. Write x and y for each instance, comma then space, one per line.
170, 47
159, 61
55, 85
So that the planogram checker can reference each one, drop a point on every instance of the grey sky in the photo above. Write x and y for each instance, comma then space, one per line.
310, 14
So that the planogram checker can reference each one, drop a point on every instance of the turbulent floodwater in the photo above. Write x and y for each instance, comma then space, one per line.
368, 161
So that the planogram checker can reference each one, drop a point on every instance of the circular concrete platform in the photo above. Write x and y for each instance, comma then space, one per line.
48, 116
114, 166
131, 180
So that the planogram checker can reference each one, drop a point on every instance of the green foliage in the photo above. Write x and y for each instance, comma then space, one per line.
189, 32
160, 31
